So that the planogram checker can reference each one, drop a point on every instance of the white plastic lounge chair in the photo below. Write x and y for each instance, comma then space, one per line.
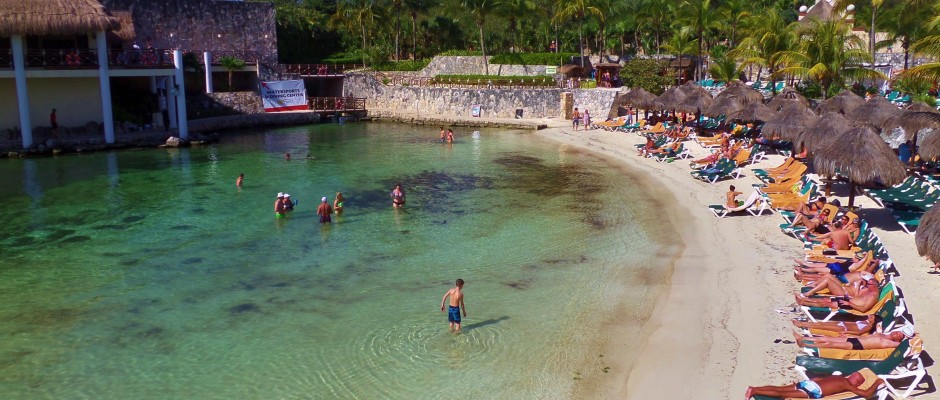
721, 211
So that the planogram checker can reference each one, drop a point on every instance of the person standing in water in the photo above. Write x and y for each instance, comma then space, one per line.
240, 180
325, 211
338, 203
450, 136
443, 134
456, 305
279, 211
398, 196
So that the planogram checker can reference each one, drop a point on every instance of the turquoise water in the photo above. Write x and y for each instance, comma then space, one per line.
149, 275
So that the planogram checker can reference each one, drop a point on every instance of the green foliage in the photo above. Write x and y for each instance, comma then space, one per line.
718, 51
461, 53
912, 85
406, 65
646, 74
352, 57
532, 58
725, 70
232, 63
484, 80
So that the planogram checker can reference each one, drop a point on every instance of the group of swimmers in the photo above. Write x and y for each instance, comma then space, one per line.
447, 135
284, 205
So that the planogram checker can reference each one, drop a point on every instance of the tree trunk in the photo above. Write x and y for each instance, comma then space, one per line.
906, 44
229, 79
486, 64
699, 73
414, 37
397, 34
363, 45
581, 41
871, 35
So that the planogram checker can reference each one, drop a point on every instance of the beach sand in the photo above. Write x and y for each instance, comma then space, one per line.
712, 332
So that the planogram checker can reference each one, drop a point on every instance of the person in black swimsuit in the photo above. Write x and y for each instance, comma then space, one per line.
874, 341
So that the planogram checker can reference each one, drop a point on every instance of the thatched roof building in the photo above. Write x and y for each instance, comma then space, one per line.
126, 32
54, 17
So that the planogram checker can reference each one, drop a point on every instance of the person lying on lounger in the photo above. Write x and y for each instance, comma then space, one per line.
816, 388
670, 151
836, 287
875, 341
839, 238
862, 298
867, 326
849, 270
808, 211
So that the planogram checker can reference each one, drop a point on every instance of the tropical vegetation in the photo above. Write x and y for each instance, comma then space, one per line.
759, 38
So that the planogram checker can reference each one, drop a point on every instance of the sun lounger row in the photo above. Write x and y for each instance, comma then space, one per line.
907, 201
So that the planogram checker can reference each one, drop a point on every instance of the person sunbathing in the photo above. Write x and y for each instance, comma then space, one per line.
846, 271
726, 151
867, 326
836, 287
875, 341
730, 201
808, 211
862, 300
839, 237
669, 151
650, 145
817, 388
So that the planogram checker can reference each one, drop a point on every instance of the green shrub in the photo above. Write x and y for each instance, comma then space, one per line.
532, 58
461, 53
406, 65
385, 81
352, 57
647, 74
484, 80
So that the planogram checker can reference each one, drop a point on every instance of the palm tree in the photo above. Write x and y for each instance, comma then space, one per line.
414, 7
512, 10
231, 64
768, 37
480, 10
841, 5
733, 12
683, 43
725, 70
653, 16
578, 10
908, 21
828, 54
700, 17
352, 13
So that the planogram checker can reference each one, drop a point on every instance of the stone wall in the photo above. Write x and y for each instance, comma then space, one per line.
240, 102
252, 121
495, 103
195, 25
473, 65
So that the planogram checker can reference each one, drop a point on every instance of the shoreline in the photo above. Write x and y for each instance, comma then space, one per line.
701, 337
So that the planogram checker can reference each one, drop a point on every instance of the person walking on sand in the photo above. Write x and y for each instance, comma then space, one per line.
240, 180
325, 211
456, 305
587, 119
575, 119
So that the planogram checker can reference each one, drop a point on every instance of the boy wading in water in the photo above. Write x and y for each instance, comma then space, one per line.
456, 305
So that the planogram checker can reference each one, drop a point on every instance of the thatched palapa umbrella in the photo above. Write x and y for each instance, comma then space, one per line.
695, 101
789, 122
841, 103
787, 96
638, 98
929, 149
911, 123
861, 156
753, 112
827, 129
927, 237
669, 100
743, 92
126, 32
875, 111
726, 106
54, 18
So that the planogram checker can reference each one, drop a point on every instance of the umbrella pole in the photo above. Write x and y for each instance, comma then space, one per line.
851, 194
828, 185
913, 151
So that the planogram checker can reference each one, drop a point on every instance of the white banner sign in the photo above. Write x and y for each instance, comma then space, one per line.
283, 96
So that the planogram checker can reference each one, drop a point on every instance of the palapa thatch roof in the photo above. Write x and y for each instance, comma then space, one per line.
743, 92
638, 98
754, 111
126, 32
696, 98
787, 96
568, 70
927, 237
828, 128
54, 17
726, 106
920, 106
789, 122
861, 156
929, 148
669, 100
875, 111
841, 103
912, 122
822, 11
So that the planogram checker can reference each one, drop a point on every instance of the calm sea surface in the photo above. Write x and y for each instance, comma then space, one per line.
149, 275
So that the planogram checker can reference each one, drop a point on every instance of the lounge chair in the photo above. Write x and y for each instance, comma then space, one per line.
870, 379
724, 168
612, 124
903, 363
888, 293
750, 205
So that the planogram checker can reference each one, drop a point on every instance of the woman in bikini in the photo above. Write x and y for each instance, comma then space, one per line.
398, 197
338, 203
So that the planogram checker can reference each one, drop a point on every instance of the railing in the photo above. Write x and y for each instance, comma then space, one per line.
61, 58
490, 83
336, 103
147, 58
320, 69
249, 57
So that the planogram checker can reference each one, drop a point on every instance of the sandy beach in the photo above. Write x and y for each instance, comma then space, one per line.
712, 332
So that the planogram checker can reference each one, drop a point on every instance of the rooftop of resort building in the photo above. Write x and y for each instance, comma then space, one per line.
54, 17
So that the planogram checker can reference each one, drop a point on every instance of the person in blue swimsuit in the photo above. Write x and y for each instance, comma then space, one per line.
817, 388
456, 305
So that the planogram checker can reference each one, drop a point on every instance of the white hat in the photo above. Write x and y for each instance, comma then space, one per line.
323, 199
280, 194
286, 195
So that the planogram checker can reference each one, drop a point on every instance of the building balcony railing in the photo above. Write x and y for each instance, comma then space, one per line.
320, 69
336, 103
88, 58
